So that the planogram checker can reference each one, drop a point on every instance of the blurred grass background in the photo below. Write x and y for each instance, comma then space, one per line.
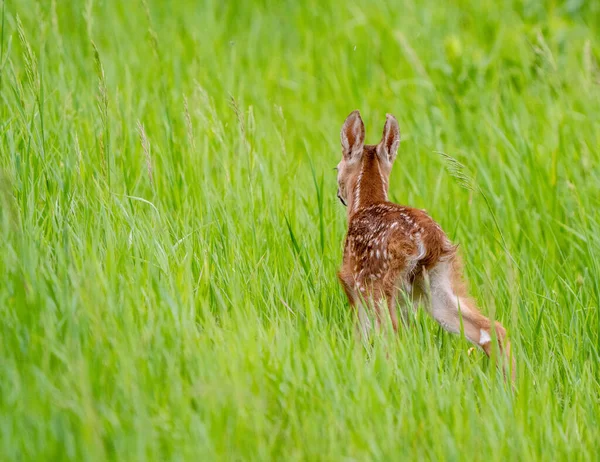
169, 231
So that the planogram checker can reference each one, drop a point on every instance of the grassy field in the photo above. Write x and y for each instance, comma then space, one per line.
170, 232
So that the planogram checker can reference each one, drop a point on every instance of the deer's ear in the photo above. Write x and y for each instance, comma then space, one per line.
388, 147
353, 136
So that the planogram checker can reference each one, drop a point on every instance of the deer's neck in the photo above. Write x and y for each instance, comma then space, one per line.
370, 186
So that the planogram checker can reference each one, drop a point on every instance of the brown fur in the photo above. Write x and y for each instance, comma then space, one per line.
390, 249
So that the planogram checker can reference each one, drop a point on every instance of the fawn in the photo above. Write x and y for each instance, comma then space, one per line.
397, 254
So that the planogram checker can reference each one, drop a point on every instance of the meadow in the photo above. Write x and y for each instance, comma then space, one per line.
170, 232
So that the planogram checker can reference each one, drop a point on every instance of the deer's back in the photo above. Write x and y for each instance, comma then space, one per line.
386, 235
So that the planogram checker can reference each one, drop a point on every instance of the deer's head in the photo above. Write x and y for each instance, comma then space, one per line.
364, 171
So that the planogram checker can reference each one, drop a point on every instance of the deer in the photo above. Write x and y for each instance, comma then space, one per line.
398, 256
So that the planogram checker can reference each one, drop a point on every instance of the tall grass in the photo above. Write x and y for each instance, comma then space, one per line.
169, 231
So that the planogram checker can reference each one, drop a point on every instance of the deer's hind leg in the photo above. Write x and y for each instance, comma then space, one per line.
449, 305
357, 302
399, 291
371, 301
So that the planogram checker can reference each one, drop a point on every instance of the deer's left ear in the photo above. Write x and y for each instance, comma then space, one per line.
388, 146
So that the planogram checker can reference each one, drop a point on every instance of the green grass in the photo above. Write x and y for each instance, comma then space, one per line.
170, 233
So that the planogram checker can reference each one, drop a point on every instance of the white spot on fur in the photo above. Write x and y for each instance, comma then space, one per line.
421, 247
484, 337
377, 253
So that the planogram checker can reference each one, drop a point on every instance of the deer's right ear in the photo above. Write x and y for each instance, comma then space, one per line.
353, 136
388, 147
